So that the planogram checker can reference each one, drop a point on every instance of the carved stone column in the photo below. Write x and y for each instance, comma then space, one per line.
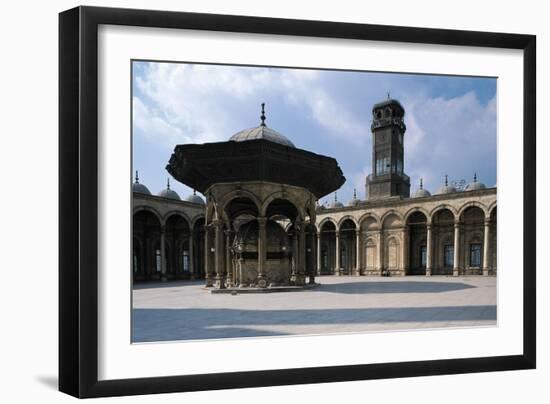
301, 253
404, 250
228, 261
456, 249
357, 252
318, 235
218, 254
337, 264
262, 282
486, 242
428, 250
380, 265
207, 260
294, 256
163, 277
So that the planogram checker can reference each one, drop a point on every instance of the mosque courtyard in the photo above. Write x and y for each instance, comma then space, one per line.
187, 311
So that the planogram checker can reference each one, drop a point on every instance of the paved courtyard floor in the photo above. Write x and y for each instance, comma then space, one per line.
185, 310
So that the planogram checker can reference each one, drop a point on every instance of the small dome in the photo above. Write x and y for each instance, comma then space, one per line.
194, 198
261, 132
421, 192
335, 204
354, 201
446, 189
169, 193
474, 185
140, 188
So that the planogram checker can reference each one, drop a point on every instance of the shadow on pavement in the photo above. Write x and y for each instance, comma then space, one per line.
393, 287
183, 324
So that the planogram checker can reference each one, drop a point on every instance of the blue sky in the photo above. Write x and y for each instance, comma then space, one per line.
451, 120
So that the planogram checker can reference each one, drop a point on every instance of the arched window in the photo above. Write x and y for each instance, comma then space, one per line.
475, 255
448, 255
185, 261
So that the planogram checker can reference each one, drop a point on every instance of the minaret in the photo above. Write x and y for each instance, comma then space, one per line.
388, 178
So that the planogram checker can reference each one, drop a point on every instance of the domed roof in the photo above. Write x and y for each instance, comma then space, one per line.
335, 204
354, 201
474, 185
169, 193
446, 189
140, 188
261, 132
194, 198
421, 192
319, 207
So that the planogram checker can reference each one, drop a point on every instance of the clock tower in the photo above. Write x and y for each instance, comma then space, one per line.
387, 178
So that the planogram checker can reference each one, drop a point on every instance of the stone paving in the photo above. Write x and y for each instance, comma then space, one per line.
185, 310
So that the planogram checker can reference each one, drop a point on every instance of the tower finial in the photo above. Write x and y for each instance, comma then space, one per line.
388, 95
168, 183
421, 183
475, 177
194, 192
354, 193
335, 197
446, 180
262, 117
137, 177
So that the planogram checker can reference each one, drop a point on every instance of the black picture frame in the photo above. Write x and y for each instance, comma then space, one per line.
78, 200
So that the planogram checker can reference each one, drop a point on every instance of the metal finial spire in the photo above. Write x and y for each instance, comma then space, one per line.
137, 177
194, 192
420, 183
262, 117
446, 180
475, 177
388, 95
168, 183
335, 197
354, 193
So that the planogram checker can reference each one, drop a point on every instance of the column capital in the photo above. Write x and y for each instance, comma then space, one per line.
457, 223
262, 220
217, 223
487, 221
429, 226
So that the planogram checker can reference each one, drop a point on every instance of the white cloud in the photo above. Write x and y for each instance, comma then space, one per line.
201, 102
455, 136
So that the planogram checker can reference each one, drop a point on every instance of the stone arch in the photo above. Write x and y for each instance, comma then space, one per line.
392, 248
183, 215
370, 254
283, 195
470, 204
491, 208
196, 219
442, 207
388, 214
138, 209
413, 210
371, 215
348, 217
327, 219
239, 193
